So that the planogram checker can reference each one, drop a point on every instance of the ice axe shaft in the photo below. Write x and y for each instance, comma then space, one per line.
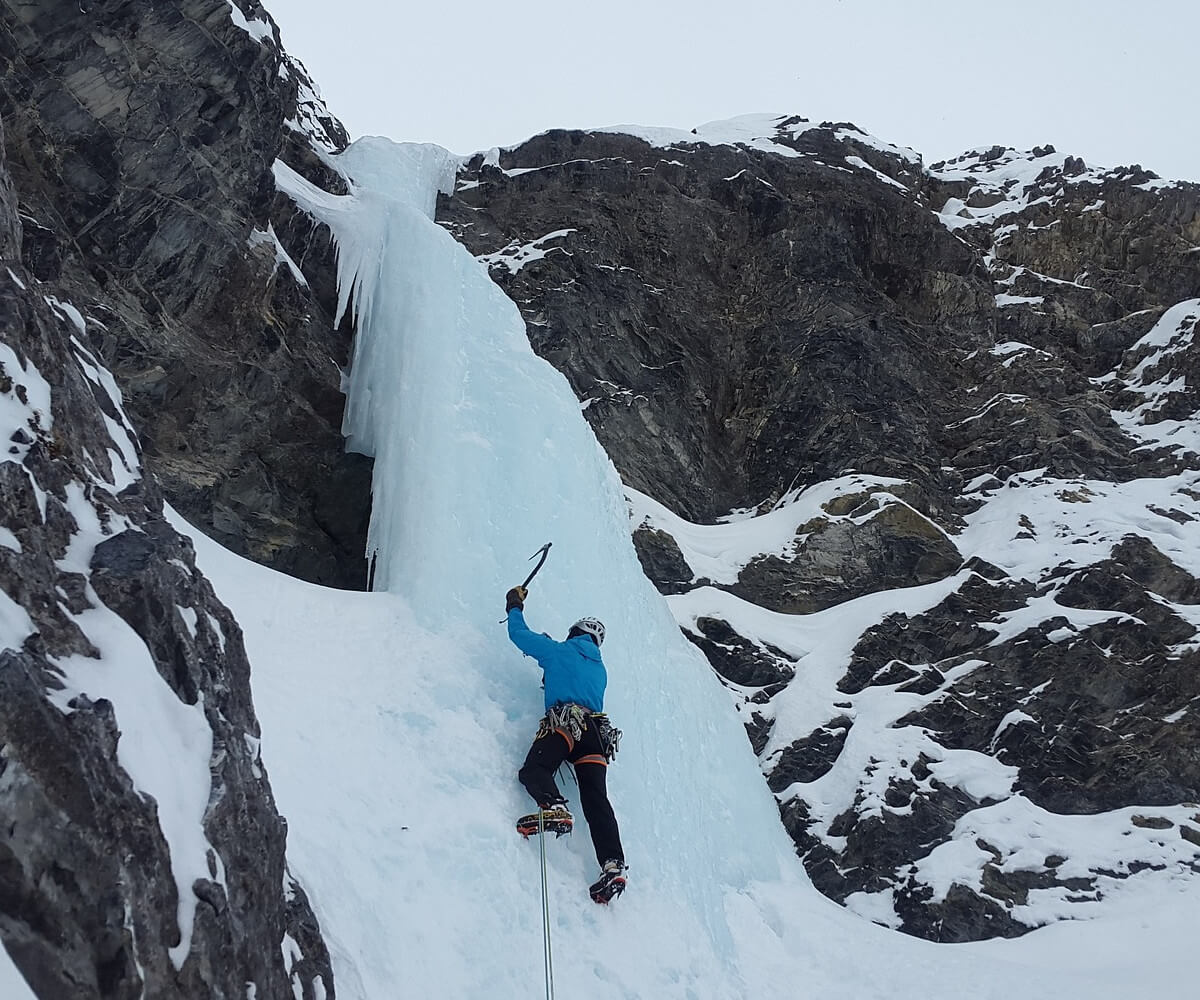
543, 552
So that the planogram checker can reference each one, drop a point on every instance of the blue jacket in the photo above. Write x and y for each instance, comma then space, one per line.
573, 669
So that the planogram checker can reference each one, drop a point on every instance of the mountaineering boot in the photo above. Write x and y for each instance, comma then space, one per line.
610, 884
554, 818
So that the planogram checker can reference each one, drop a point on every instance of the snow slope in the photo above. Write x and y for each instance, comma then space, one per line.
392, 749
393, 722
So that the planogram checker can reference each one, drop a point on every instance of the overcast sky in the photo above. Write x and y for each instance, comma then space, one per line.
1113, 81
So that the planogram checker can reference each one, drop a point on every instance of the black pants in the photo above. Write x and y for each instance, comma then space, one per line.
537, 775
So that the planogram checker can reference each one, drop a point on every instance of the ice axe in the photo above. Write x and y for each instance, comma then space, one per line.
543, 552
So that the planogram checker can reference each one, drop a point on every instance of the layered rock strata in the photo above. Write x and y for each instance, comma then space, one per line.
155, 337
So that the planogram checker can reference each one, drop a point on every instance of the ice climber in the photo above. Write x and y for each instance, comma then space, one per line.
573, 729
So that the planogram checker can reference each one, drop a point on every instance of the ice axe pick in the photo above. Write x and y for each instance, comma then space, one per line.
543, 552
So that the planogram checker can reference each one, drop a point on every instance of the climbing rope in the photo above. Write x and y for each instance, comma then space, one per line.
549, 958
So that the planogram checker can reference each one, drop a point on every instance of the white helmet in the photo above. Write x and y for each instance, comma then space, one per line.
588, 626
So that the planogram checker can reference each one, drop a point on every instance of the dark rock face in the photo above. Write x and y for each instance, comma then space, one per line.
810, 758
728, 312
89, 906
140, 138
739, 660
662, 560
1004, 346
1093, 738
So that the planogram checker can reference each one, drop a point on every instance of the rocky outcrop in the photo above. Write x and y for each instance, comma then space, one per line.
1085, 710
976, 382
140, 138
875, 547
141, 238
1095, 246
738, 322
119, 878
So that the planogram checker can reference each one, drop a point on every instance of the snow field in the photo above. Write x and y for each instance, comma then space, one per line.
392, 750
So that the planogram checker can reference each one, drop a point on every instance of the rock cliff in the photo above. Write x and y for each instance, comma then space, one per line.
977, 381
138, 238
140, 139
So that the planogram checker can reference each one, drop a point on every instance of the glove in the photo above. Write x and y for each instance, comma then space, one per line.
515, 598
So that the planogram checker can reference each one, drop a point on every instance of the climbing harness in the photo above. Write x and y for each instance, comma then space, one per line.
567, 719
570, 720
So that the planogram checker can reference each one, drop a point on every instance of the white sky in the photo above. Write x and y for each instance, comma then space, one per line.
1113, 81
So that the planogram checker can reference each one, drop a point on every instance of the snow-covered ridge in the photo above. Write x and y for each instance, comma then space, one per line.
757, 131
256, 27
768, 133
826, 144
312, 118
1004, 181
999, 183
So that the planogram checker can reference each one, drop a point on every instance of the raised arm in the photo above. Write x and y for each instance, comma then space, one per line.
525, 639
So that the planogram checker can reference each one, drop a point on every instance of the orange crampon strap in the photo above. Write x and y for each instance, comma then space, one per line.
593, 758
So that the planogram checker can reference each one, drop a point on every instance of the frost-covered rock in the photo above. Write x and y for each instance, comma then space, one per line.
144, 850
